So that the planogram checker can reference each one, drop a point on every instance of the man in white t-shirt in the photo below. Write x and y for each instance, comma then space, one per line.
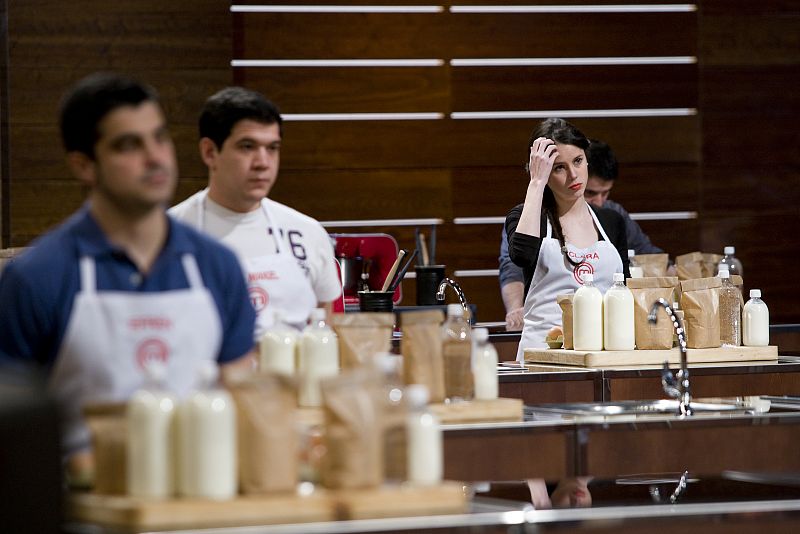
287, 256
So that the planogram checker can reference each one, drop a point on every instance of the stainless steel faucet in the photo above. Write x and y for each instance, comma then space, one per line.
676, 386
459, 293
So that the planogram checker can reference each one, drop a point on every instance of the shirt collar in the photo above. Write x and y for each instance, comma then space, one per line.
92, 241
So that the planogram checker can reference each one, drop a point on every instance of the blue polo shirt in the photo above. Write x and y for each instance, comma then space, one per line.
38, 288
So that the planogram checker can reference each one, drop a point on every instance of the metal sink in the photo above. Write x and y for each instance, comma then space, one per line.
662, 406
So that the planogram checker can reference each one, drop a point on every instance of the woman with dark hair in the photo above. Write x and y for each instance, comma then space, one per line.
555, 235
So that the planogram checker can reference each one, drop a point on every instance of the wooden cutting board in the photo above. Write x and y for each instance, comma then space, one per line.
479, 411
322, 505
609, 358
129, 512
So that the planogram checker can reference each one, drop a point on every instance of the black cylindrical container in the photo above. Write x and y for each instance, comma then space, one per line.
428, 279
375, 301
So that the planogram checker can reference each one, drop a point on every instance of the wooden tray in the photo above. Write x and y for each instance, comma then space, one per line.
479, 411
323, 505
607, 358
129, 512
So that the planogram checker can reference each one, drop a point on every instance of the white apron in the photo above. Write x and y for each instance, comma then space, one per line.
554, 276
112, 334
275, 282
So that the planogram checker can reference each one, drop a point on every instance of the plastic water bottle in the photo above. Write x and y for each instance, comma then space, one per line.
730, 311
755, 321
457, 353
730, 261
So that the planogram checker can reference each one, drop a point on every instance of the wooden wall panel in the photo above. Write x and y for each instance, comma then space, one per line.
751, 63
347, 90
582, 87
453, 35
181, 47
480, 143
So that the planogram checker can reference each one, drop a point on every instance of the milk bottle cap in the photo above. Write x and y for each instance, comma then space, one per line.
619, 277
588, 277
317, 315
455, 310
480, 334
631, 252
417, 395
729, 250
755, 293
724, 273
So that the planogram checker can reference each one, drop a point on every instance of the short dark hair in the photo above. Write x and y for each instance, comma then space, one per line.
86, 104
602, 161
224, 109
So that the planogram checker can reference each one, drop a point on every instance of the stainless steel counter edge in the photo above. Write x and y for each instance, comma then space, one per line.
655, 511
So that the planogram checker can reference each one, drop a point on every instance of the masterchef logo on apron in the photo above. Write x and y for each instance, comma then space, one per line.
151, 349
584, 267
259, 298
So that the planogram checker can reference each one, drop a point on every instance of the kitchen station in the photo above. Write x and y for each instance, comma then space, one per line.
365, 267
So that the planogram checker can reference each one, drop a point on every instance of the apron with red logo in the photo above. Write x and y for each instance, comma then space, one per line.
275, 282
554, 276
111, 335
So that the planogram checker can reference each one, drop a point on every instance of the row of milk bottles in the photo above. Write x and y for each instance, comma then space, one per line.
603, 321
181, 447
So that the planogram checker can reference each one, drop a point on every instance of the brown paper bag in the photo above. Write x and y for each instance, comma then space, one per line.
362, 336
710, 263
689, 266
266, 435
421, 346
700, 304
652, 264
565, 302
353, 429
108, 426
645, 292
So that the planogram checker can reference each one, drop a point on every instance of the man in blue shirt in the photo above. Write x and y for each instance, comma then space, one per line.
120, 288
603, 171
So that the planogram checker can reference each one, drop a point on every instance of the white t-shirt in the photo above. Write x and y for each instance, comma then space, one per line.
249, 235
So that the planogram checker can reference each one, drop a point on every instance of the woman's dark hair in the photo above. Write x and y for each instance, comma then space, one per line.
224, 109
90, 100
564, 133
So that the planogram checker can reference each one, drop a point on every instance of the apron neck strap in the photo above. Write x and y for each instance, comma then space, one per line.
192, 271
88, 276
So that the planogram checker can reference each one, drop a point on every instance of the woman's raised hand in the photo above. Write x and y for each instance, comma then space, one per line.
543, 154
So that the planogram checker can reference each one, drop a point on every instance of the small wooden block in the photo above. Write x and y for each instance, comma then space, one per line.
402, 501
479, 411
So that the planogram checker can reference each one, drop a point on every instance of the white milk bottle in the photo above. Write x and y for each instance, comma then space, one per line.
277, 347
587, 316
633, 267
425, 454
618, 325
151, 437
484, 365
317, 358
755, 321
207, 458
